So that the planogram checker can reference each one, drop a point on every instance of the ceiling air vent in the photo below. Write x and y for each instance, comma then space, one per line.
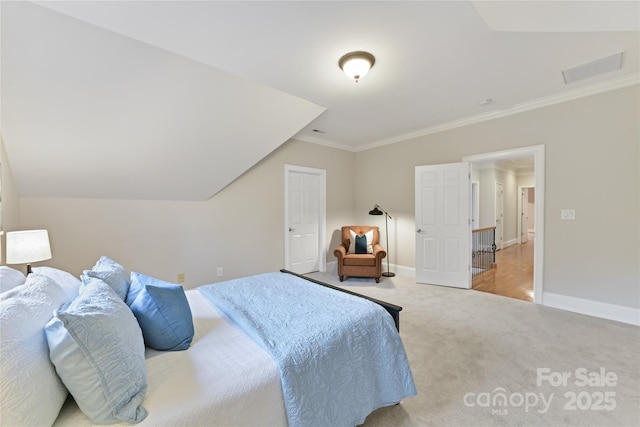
593, 68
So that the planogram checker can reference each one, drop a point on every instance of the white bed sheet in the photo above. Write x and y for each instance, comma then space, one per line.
223, 379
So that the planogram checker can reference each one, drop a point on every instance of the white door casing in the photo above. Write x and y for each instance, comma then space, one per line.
499, 215
524, 214
538, 152
304, 219
475, 205
443, 225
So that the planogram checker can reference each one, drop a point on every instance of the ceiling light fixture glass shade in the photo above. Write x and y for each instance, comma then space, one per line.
356, 64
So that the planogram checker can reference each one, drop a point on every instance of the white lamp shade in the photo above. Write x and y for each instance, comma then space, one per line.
25, 247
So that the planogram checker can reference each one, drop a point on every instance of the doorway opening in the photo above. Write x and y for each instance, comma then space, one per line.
512, 275
519, 265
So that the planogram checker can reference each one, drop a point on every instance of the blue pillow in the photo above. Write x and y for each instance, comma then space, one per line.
97, 348
162, 311
112, 273
361, 244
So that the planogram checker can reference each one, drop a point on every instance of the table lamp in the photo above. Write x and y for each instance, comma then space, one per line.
25, 247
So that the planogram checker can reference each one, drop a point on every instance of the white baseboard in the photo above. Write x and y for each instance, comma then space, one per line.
508, 243
604, 310
332, 268
402, 270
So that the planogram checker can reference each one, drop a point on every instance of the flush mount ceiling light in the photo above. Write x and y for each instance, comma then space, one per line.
356, 64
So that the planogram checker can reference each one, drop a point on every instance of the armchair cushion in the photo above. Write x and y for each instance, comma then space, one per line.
360, 260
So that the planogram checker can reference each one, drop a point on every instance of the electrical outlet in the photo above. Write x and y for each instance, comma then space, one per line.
180, 277
219, 271
568, 214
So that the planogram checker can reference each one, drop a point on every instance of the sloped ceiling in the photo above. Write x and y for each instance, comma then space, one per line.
175, 99
90, 113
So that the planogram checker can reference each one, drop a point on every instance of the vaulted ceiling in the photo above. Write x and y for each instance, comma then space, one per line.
175, 99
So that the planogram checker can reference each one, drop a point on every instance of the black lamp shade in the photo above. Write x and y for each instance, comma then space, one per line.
375, 211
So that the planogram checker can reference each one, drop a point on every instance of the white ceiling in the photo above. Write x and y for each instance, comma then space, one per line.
159, 99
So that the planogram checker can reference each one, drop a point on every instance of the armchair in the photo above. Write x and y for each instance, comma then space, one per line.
360, 265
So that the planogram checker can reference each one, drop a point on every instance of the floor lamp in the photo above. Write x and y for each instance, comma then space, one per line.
377, 210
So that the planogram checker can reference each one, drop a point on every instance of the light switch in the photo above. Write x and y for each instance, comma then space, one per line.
568, 214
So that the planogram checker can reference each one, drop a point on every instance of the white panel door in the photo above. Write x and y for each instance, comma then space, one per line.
443, 225
304, 210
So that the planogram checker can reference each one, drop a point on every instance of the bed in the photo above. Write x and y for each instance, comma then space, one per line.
229, 375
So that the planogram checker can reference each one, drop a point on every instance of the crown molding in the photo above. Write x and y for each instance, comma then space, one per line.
624, 81
609, 85
326, 143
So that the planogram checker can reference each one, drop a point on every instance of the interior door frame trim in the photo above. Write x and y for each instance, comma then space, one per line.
538, 256
322, 214
521, 225
500, 244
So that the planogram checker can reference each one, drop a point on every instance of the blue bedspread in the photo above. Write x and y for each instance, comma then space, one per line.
340, 356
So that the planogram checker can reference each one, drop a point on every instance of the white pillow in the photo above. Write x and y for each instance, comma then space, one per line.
97, 348
32, 394
352, 241
67, 281
10, 278
112, 273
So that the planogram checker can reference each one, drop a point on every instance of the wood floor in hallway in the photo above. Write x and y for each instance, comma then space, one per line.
513, 276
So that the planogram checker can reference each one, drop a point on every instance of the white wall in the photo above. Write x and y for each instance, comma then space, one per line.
510, 212
592, 165
526, 180
531, 209
487, 197
239, 229
10, 204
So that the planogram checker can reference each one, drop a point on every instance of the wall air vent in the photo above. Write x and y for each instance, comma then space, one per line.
593, 68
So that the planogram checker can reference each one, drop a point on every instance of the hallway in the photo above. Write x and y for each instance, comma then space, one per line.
513, 276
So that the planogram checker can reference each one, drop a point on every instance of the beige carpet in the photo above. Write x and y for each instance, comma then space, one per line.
475, 359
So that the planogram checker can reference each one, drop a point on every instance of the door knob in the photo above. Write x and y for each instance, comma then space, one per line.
292, 229
418, 231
